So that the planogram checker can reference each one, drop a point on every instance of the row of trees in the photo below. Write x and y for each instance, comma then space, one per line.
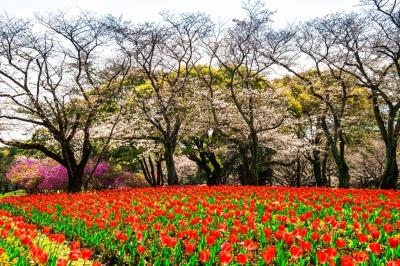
238, 99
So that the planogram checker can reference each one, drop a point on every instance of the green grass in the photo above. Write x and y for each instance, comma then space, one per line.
19, 192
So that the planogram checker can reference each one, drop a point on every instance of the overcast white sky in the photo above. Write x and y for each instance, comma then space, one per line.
288, 11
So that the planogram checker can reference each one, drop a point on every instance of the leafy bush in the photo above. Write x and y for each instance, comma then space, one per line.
129, 179
26, 173
46, 175
55, 176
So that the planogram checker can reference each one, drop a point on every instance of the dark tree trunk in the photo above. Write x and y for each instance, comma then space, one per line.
324, 167
172, 176
391, 172
338, 153
389, 133
160, 175
317, 170
75, 179
152, 175
298, 172
244, 167
254, 158
205, 159
216, 175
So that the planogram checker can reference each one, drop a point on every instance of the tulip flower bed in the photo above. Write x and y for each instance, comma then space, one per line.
204, 226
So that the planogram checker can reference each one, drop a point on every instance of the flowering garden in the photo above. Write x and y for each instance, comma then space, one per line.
199, 225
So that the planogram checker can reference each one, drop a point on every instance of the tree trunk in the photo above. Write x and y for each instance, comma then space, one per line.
216, 174
244, 173
338, 154
324, 166
254, 157
75, 179
298, 172
391, 172
172, 176
160, 175
317, 168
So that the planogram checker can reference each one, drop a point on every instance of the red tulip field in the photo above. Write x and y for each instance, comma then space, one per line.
198, 225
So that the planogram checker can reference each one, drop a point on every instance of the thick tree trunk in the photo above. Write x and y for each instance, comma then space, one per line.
342, 168
317, 171
389, 133
318, 162
338, 154
75, 179
343, 174
391, 172
216, 173
324, 167
172, 176
254, 158
245, 166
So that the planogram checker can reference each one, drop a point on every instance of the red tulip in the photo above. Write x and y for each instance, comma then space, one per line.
233, 239
388, 228
141, 249
269, 254
267, 232
241, 259
171, 242
120, 236
210, 240
62, 262
74, 245
326, 238
305, 245
226, 247
347, 260
332, 252
340, 243
204, 256
250, 244
46, 230
86, 253
393, 242
375, 234
278, 235
315, 236
375, 248
288, 238
322, 257
43, 258
362, 238
74, 255
296, 252
225, 258
360, 257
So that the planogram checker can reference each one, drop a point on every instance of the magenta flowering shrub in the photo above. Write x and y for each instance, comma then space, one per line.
100, 170
101, 177
26, 174
129, 179
46, 175
55, 176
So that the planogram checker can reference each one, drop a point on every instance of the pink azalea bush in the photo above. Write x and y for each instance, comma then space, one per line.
55, 176
129, 179
45, 175
26, 174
